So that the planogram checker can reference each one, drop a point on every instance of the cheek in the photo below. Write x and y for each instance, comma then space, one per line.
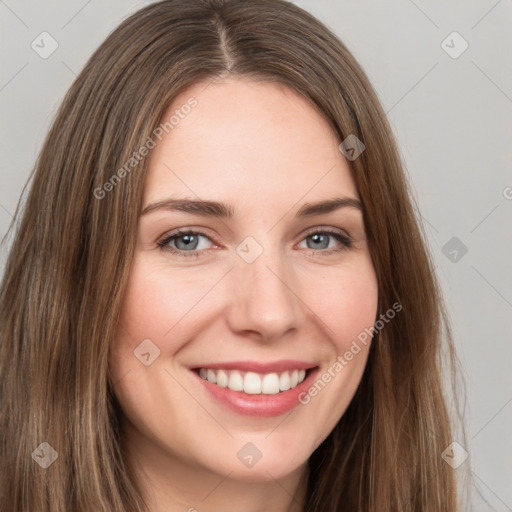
151, 330
347, 307
156, 306
345, 300
354, 308
146, 317
153, 303
158, 317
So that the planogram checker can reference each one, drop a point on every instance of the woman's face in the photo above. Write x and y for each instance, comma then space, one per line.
243, 285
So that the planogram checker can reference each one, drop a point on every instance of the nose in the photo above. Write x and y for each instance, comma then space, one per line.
265, 300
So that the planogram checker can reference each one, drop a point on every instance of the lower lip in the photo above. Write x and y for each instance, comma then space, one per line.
259, 405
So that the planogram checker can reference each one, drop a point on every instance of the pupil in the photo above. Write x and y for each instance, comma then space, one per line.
318, 238
186, 240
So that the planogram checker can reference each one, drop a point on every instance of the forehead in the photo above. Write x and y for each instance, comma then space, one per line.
246, 137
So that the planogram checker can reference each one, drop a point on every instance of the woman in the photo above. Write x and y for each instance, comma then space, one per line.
218, 297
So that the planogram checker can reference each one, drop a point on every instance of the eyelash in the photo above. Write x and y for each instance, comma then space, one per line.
346, 242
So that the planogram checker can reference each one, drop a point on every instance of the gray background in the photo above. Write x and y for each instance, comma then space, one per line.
452, 118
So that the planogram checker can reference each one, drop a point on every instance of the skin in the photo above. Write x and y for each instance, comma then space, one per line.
265, 151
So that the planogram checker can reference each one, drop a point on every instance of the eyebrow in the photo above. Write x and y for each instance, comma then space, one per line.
221, 210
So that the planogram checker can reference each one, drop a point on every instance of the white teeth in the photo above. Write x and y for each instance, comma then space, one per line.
254, 383
284, 381
235, 383
270, 384
222, 379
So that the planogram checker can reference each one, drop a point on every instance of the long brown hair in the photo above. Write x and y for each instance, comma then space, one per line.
70, 261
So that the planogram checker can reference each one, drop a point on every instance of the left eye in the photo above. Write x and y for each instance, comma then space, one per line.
192, 243
322, 240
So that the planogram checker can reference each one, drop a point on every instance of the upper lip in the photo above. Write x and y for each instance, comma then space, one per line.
258, 367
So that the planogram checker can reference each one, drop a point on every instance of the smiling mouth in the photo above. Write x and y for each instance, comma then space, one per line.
253, 383
252, 388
